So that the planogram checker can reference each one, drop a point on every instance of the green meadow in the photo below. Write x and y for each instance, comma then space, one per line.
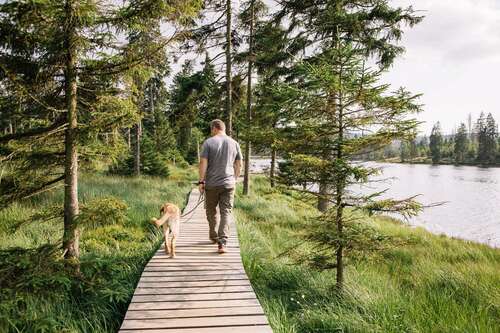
427, 283
39, 294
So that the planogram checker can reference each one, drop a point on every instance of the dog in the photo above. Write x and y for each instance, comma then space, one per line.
170, 220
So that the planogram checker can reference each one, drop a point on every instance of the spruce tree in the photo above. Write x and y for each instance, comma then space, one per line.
413, 149
271, 63
334, 99
436, 143
66, 62
461, 143
404, 151
491, 140
252, 11
250, 20
215, 33
373, 26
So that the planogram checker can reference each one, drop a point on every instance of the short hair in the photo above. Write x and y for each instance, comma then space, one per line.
217, 124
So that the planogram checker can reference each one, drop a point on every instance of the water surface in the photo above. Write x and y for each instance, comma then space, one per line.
471, 196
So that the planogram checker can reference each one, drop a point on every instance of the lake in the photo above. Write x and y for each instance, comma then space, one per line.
471, 196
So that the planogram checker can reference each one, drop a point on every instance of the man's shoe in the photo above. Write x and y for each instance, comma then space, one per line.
222, 248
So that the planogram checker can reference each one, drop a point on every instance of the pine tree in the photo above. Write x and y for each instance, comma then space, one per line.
373, 26
210, 97
413, 149
404, 151
252, 11
248, 150
489, 144
436, 143
217, 34
482, 139
271, 60
333, 99
461, 143
66, 62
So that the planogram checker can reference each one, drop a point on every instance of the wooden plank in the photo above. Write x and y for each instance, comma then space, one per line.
187, 284
221, 329
193, 304
178, 261
193, 313
192, 297
191, 290
200, 257
193, 273
196, 250
158, 268
190, 323
163, 278
203, 255
200, 291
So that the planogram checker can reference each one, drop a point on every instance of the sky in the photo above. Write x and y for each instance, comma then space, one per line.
453, 59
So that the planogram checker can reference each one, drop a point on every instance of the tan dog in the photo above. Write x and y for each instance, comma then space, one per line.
171, 214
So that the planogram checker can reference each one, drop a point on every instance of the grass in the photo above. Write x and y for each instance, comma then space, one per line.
39, 294
431, 284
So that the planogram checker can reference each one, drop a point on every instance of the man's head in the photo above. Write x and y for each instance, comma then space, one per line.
217, 126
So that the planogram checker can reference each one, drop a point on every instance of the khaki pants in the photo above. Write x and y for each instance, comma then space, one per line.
224, 198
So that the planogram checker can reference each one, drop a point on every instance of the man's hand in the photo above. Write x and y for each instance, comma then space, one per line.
202, 173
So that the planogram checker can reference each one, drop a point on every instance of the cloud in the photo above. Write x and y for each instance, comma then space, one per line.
453, 58
455, 31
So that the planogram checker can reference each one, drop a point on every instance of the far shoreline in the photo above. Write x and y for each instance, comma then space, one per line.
483, 166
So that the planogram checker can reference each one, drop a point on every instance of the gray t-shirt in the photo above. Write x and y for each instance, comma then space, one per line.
221, 151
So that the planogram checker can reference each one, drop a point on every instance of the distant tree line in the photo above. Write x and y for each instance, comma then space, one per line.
473, 144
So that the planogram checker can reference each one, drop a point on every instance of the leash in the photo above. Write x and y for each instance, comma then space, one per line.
201, 199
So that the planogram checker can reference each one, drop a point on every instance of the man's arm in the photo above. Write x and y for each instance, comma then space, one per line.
202, 171
237, 162
237, 168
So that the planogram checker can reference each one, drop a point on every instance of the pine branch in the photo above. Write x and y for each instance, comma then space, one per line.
55, 127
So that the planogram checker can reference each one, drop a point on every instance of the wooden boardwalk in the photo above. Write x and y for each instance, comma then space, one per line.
199, 291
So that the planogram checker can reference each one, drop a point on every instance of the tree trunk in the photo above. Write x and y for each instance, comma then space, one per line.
129, 139
272, 172
198, 149
137, 149
229, 88
71, 233
339, 193
323, 201
153, 114
339, 222
248, 144
185, 133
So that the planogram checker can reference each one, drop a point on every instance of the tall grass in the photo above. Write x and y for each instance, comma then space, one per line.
430, 284
38, 294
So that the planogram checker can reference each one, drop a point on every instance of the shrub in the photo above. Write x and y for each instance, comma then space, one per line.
152, 162
103, 211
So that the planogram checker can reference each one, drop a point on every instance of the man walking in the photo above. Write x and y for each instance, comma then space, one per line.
220, 165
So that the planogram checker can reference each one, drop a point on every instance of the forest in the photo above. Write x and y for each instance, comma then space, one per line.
104, 106
471, 144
